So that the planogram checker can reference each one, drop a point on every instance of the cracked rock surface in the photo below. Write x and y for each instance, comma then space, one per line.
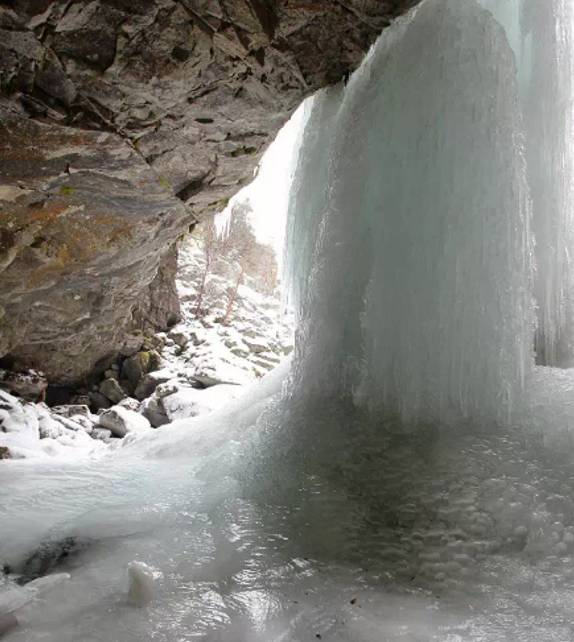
122, 123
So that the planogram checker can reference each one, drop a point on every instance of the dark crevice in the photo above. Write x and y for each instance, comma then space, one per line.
190, 189
49, 557
266, 15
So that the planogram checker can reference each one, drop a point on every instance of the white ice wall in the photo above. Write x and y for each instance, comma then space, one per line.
417, 285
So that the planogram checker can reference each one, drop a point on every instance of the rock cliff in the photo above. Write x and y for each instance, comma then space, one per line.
122, 123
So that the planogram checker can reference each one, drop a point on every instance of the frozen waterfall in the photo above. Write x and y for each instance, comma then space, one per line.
413, 190
542, 37
409, 475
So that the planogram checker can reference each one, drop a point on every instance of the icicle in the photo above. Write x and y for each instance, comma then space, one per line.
222, 222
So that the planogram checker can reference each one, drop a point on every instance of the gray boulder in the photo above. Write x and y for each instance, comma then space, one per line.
147, 386
154, 412
112, 390
99, 402
121, 421
135, 367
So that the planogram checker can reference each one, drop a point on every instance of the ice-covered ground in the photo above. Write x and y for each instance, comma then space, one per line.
267, 522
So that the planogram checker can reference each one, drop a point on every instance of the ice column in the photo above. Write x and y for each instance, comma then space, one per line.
414, 285
542, 36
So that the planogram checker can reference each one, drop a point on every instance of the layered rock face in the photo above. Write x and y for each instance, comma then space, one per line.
122, 123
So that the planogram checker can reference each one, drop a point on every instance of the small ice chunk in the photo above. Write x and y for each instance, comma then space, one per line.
141, 580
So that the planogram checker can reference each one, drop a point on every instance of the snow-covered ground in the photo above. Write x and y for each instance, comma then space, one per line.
253, 341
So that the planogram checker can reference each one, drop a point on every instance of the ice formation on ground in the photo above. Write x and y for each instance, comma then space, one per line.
300, 511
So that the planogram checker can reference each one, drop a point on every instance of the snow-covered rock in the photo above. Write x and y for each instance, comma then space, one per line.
179, 338
19, 426
130, 403
101, 433
191, 402
153, 411
30, 385
146, 387
121, 421
72, 410
168, 388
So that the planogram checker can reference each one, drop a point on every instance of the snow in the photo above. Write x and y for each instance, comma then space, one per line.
192, 402
218, 350
33, 430
122, 421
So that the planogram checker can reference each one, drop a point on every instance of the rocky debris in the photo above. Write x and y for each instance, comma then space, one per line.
73, 410
153, 411
35, 430
179, 338
205, 381
175, 400
81, 400
135, 367
254, 345
147, 385
121, 124
29, 384
121, 421
130, 404
112, 390
98, 401
168, 388
48, 557
5, 453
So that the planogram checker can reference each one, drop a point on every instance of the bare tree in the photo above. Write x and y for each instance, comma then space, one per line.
237, 257
209, 254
